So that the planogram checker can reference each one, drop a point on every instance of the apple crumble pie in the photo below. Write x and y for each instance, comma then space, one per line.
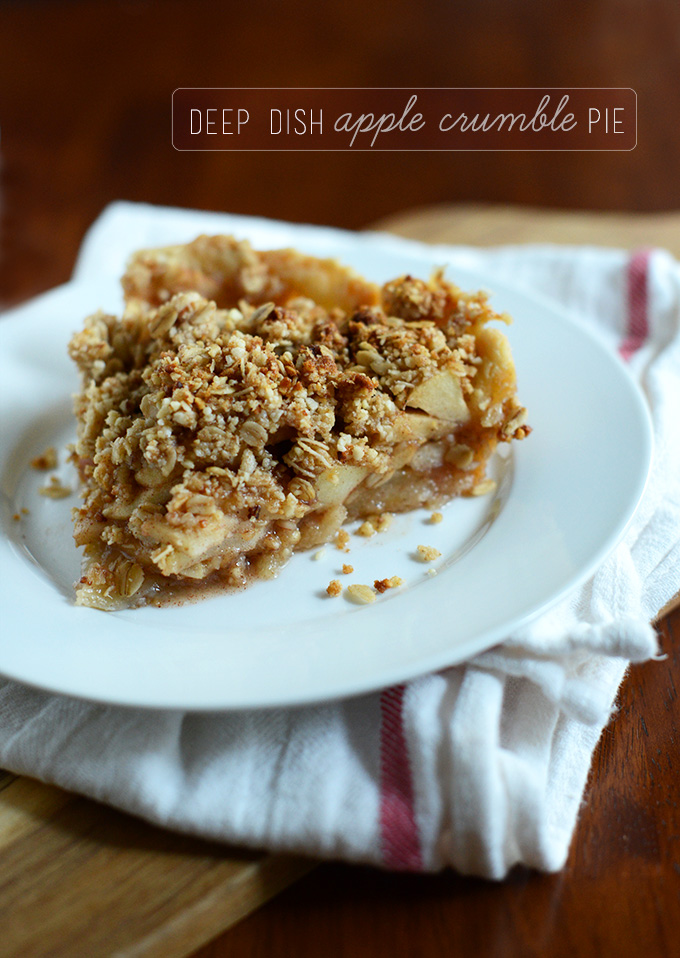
247, 404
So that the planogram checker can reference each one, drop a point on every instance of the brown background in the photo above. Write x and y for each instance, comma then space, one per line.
85, 93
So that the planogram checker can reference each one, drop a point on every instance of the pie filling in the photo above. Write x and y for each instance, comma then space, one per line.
247, 404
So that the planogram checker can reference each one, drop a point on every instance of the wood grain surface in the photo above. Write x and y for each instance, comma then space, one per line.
85, 93
495, 225
77, 878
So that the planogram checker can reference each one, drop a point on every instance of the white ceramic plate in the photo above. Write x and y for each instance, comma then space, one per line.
564, 499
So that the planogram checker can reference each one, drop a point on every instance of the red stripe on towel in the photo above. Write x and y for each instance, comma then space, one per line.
638, 304
399, 832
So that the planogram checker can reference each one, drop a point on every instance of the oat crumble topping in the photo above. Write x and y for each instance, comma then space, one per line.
247, 404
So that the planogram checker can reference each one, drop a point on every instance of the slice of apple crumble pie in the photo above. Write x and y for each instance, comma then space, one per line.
248, 403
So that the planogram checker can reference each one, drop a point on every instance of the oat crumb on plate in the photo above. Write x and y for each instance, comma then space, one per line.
55, 490
47, 460
342, 540
428, 553
366, 529
361, 594
382, 522
347, 569
436, 518
382, 585
334, 588
483, 488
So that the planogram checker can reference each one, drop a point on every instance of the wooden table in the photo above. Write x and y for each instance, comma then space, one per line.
85, 89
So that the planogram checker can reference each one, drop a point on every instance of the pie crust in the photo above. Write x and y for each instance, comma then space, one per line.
247, 404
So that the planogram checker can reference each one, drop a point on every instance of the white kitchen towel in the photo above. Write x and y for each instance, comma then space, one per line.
479, 767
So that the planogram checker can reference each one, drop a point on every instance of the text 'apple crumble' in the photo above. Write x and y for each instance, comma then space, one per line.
247, 404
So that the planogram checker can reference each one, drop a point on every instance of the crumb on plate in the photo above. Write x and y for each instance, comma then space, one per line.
46, 460
428, 553
382, 522
483, 488
360, 594
366, 529
55, 490
342, 540
382, 585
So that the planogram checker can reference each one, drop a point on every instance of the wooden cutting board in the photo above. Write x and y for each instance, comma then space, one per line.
79, 879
